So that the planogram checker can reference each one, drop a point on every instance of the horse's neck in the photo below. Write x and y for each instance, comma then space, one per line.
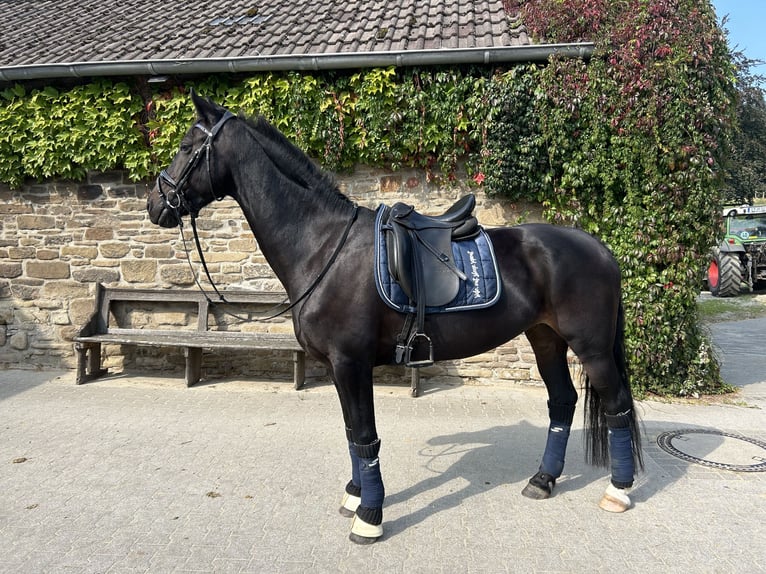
296, 228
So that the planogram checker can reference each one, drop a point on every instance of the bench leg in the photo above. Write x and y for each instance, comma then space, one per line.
94, 361
193, 365
88, 362
415, 383
299, 369
82, 358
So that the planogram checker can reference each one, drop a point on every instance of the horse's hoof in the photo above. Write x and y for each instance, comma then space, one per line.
539, 487
535, 492
361, 540
615, 499
349, 504
363, 532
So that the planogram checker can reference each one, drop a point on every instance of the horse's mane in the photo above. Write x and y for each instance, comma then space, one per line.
295, 164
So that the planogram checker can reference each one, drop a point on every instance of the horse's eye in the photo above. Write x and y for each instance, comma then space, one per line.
186, 147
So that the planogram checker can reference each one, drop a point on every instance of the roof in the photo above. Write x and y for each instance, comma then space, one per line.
33, 32
49, 37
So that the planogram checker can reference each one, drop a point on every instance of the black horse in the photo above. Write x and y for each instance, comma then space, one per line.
560, 286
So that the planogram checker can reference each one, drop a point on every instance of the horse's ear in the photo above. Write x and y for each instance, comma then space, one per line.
207, 110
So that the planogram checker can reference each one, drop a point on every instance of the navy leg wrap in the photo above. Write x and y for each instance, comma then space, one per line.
555, 450
621, 449
561, 417
371, 482
356, 478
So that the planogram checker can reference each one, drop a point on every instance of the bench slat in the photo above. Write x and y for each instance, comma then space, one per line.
209, 339
189, 296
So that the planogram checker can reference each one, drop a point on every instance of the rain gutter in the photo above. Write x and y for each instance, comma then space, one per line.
303, 62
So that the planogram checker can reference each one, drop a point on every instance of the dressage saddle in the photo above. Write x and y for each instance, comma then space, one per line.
420, 259
419, 250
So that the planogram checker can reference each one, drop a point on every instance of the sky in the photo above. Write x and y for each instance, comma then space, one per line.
747, 19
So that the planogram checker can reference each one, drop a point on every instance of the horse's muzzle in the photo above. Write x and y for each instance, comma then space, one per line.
160, 213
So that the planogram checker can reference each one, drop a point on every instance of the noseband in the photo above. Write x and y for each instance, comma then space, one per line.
175, 196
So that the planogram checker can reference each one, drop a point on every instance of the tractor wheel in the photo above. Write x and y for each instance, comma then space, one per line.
724, 275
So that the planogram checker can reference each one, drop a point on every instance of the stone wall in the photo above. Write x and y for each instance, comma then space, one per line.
58, 239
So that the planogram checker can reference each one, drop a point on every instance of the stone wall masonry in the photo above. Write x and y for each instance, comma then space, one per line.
58, 239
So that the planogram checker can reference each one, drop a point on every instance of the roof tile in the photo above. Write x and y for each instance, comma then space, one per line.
67, 31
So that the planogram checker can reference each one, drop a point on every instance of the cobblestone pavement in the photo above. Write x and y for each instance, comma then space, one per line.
742, 354
141, 474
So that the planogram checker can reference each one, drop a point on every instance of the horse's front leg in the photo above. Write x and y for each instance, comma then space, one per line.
364, 494
352, 497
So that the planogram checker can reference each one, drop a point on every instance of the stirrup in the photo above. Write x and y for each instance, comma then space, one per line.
422, 362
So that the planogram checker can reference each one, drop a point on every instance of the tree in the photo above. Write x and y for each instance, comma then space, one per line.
746, 171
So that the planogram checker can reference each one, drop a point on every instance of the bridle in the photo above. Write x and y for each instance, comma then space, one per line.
176, 198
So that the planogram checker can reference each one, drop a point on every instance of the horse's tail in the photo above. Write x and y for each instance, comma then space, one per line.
596, 431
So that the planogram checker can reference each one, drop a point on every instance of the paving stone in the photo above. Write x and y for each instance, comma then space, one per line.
132, 474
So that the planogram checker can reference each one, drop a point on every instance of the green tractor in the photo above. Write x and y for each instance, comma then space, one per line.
739, 262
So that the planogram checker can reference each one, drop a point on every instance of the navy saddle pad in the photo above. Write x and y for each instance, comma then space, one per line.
474, 257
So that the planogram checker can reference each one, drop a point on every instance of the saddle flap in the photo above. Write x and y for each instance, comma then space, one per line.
438, 277
434, 280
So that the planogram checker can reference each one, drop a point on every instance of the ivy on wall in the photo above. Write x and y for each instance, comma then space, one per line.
414, 117
634, 143
51, 133
627, 146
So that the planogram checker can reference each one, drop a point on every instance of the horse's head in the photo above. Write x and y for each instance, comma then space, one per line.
188, 183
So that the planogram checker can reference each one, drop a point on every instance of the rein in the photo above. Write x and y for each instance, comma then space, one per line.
176, 198
305, 294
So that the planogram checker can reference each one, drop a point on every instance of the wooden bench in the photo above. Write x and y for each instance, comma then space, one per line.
98, 331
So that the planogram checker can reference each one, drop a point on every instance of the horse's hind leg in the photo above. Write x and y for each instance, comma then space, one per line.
551, 354
613, 433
